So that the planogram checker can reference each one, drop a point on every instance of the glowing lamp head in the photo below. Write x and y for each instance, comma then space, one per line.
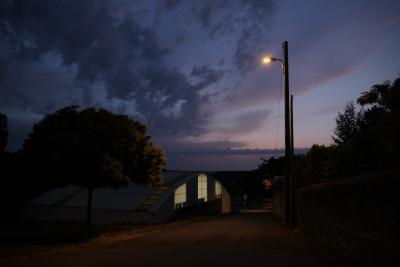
266, 60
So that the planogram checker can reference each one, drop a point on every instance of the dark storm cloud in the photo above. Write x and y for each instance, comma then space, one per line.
244, 23
234, 151
100, 48
223, 159
169, 4
182, 147
38, 87
250, 20
206, 75
201, 70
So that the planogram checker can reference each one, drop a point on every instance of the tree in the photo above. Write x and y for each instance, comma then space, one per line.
380, 126
365, 141
368, 141
271, 167
3, 132
384, 96
346, 124
317, 165
93, 148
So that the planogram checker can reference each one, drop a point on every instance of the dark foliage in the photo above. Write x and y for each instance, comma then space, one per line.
271, 167
318, 164
365, 141
268, 169
3, 132
358, 216
347, 124
91, 148
13, 174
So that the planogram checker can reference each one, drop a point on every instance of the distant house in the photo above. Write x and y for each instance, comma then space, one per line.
182, 193
233, 182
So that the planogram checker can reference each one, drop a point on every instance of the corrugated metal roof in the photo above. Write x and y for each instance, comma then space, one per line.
126, 198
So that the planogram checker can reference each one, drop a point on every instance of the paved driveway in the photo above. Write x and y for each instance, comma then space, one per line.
250, 239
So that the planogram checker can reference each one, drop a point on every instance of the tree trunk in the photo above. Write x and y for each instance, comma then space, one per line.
89, 211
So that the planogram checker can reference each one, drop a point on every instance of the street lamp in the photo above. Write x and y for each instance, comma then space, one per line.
268, 59
290, 210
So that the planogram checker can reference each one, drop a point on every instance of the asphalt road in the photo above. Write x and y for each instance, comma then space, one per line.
249, 239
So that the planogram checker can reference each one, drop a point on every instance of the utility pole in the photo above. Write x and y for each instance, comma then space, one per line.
293, 184
290, 191
288, 151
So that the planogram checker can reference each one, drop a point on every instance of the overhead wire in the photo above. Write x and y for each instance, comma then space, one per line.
279, 109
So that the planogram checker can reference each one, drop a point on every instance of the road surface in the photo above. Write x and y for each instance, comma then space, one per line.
247, 239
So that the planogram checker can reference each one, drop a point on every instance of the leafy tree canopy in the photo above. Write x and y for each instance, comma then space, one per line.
364, 141
384, 96
93, 148
347, 124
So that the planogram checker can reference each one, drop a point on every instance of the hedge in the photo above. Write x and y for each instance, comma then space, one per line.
359, 216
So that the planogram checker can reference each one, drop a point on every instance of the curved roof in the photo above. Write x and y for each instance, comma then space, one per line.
131, 197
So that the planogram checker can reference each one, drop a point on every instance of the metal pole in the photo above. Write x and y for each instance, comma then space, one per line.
287, 137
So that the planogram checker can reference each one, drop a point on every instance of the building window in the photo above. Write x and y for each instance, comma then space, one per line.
180, 197
202, 187
218, 189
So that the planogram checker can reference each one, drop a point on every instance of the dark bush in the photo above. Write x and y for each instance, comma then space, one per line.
360, 216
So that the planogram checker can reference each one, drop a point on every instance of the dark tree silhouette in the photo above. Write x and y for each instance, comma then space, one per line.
364, 141
384, 96
3, 132
346, 124
271, 167
381, 123
93, 148
321, 165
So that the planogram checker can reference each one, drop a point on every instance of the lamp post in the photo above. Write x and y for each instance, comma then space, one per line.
290, 212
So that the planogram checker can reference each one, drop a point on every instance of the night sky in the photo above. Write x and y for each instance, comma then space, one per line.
190, 69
